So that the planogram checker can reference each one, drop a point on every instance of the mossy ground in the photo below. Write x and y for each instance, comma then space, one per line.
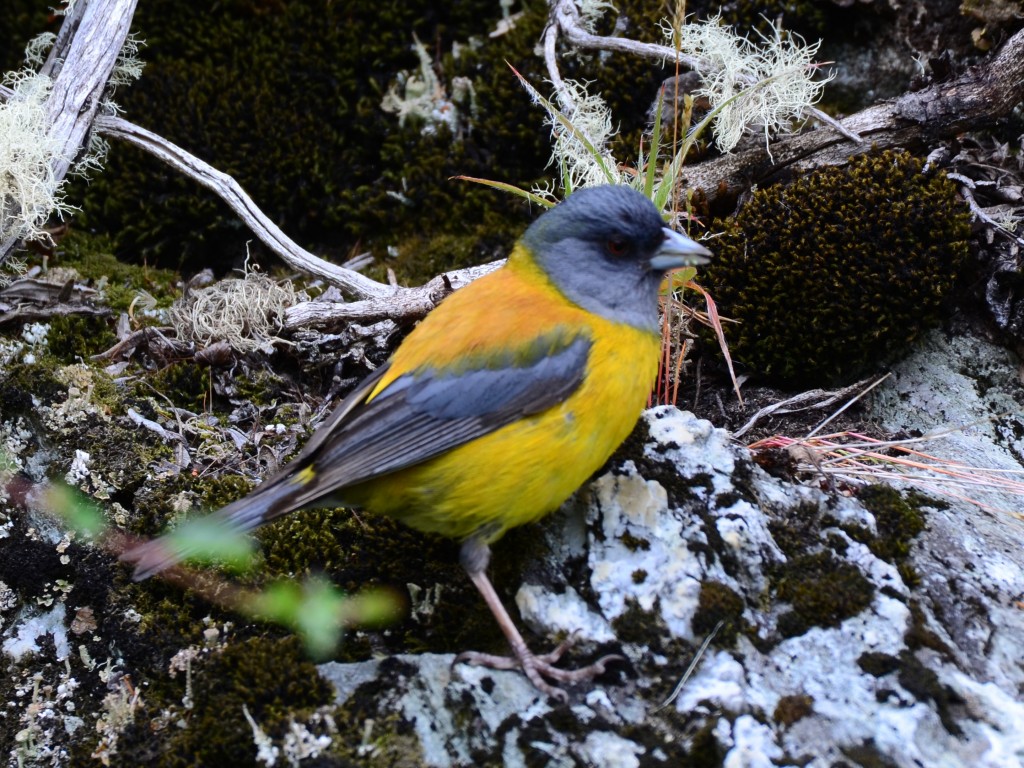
70, 406
272, 679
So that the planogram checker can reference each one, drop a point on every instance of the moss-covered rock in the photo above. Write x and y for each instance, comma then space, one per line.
832, 274
899, 519
822, 591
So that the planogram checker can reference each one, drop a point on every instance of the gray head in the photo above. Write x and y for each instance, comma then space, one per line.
607, 250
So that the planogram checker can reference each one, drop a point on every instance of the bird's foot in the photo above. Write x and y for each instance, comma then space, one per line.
536, 667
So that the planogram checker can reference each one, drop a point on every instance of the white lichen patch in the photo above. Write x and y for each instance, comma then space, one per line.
24, 637
35, 334
755, 86
299, 742
79, 405
641, 557
79, 471
565, 614
421, 96
15, 439
45, 715
608, 748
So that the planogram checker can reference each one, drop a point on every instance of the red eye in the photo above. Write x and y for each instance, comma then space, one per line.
617, 246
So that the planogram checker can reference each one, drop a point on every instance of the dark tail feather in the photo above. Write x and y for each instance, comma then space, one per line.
270, 500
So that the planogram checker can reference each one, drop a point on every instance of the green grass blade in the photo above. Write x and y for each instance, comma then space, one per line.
655, 148
530, 196
568, 125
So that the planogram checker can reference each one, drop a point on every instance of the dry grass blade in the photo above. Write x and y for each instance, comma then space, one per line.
858, 460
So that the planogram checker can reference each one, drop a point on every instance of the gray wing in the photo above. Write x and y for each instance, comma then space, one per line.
426, 413
418, 416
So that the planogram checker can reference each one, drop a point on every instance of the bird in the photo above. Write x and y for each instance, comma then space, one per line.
499, 404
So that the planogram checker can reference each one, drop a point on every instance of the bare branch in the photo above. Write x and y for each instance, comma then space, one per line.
566, 15
232, 193
403, 304
91, 54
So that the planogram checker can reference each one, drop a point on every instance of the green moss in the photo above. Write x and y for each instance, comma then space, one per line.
899, 520
216, 492
23, 387
790, 709
634, 543
20, 22
718, 603
120, 455
309, 541
261, 387
187, 384
924, 684
797, 532
834, 273
822, 591
172, 498
358, 549
705, 749
635, 625
120, 283
171, 619
919, 635
878, 664
73, 338
271, 678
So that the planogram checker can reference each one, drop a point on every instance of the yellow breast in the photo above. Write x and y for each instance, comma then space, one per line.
526, 469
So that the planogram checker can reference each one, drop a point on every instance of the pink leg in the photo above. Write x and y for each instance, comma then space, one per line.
475, 556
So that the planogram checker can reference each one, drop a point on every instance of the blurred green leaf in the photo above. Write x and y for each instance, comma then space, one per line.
319, 612
80, 514
207, 540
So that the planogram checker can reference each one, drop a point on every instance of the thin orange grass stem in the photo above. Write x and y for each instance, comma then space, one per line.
666, 350
716, 323
679, 370
863, 460
664, 369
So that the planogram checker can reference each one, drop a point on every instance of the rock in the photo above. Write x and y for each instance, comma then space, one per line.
833, 645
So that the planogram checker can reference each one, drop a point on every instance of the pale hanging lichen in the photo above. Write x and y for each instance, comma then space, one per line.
580, 145
29, 191
755, 87
38, 47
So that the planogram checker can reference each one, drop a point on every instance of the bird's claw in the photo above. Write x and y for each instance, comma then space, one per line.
540, 666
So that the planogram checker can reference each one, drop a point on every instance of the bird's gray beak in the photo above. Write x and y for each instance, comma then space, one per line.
678, 251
